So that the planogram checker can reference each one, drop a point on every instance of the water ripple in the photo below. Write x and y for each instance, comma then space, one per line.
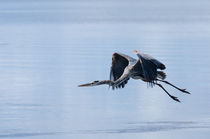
151, 127
139, 127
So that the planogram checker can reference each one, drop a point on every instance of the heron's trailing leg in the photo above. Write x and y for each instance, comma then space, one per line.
173, 97
182, 90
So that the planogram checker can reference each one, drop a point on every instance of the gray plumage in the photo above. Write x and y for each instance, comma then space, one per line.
146, 68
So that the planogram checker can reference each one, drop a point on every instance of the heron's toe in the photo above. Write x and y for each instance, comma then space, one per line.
175, 98
185, 91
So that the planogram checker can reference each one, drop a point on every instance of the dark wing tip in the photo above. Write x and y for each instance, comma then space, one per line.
162, 67
115, 54
161, 75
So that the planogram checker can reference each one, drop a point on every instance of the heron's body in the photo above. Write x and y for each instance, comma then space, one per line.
146, 68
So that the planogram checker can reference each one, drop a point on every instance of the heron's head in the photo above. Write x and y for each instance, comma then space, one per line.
94, 83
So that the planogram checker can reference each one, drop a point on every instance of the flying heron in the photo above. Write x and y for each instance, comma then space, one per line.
146, 68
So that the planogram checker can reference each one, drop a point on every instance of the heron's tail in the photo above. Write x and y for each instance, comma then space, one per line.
161, 75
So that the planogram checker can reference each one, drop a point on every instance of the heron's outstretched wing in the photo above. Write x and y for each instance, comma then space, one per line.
160, 74
122, 80
119, 63
130, 59
155, 61
149, 69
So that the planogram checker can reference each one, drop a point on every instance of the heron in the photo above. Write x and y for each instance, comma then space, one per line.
146, 68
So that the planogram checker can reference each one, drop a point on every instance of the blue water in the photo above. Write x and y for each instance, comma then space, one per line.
48, 47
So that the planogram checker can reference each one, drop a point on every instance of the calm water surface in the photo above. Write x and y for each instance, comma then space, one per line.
47, 48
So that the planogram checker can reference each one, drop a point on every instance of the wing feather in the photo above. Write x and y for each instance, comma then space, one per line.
153, 60
119, 63
149, 69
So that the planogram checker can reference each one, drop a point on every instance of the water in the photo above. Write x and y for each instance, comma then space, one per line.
47, 48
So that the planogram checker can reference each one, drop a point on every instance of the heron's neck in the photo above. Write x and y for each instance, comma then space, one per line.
109, 82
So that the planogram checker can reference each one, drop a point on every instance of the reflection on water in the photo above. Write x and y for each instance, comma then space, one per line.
17, 135
48, 48
140, 127
151, 127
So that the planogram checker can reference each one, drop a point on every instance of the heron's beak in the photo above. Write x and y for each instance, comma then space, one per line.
94, 83
135, 51
85, 85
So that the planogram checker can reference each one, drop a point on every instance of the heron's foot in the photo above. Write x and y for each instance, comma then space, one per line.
175, 98
184, 91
